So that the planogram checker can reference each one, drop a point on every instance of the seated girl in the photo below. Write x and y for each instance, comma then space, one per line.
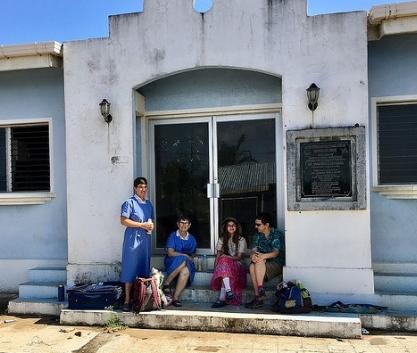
179, 264
229, 273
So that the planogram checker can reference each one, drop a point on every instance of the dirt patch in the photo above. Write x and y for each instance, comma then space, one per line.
207, 348
94, 345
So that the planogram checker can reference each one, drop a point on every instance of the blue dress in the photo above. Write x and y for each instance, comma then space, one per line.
136, 256
185, 246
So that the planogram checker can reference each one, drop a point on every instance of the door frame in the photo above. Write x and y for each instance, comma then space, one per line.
241, 113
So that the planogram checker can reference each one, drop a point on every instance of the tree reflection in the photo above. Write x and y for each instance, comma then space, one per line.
233, 154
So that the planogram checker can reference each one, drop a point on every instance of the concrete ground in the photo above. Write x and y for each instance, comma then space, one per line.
45, 335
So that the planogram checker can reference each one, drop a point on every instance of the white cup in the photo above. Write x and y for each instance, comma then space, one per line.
149, 221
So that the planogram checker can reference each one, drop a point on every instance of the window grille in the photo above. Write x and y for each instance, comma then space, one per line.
24, 158
397, 143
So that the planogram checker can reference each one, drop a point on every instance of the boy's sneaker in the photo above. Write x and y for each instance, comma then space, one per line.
261, 292
255, 304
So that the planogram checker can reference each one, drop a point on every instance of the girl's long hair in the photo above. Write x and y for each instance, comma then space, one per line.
225, 234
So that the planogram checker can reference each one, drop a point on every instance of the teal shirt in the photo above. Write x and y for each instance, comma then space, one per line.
275, 241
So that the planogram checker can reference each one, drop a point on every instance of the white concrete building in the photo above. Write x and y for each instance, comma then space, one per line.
202, 105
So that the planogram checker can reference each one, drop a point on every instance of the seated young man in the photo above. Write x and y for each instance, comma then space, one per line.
267, 257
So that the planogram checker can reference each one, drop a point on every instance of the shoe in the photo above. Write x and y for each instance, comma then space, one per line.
166, 288
126, 308
177, 303
261, 292
219, 304
229, 295
255, 304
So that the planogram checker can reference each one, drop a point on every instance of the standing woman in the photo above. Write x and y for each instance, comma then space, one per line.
137, 215
229, 273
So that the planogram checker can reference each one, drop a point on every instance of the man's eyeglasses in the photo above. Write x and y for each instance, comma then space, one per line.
258, 224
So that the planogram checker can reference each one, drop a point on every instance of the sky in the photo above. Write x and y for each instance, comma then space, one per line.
29, 21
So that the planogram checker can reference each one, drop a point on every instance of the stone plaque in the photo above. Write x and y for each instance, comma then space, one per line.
325, 169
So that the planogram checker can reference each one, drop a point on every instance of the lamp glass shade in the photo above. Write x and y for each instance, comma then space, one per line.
313, 93
104, 108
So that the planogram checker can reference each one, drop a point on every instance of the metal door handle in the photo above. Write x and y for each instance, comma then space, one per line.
216, 187
209, 191
213, 191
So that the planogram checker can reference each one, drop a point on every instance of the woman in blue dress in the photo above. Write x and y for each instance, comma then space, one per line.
179, 264
137, 215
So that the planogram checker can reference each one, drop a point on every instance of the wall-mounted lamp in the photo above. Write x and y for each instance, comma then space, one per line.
313, 96
105, 111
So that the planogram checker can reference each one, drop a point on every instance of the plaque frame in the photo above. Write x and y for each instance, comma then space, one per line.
357, 138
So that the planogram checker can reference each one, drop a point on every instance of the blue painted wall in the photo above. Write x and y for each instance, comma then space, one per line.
393, 71
36, 231
211, 88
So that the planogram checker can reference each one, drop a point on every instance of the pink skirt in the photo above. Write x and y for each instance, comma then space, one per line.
226, 267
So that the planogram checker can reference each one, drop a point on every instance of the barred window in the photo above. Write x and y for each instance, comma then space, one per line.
24, 158
397, 144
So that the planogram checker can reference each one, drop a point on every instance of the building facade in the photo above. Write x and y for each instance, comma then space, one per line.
203, 105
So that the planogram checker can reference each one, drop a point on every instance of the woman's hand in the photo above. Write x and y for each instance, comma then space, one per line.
148, 226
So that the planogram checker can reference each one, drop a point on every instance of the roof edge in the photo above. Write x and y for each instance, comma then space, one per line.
22, 50
380, 13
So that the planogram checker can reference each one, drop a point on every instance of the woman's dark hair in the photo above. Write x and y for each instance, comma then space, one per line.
140, 180
225, 234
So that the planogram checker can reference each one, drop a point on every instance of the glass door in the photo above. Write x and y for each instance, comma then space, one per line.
212, 168
246, 168
181, 175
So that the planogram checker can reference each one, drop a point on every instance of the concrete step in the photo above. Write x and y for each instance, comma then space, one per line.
397, 300
391, 282
203, 294
395, 267
391, 320
48, 274
36, 306
200, 317
34, 290
202, 279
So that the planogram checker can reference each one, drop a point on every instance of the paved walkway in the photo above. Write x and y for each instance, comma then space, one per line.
47, 336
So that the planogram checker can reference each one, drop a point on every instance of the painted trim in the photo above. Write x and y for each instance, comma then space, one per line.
25, 198
30, 62
30, 198
215, 111
406, 191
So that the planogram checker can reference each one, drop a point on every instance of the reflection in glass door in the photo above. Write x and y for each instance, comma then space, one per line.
181, 174
213, 168
246, 170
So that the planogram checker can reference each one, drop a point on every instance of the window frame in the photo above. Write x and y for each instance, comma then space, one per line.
391, 191
28, 197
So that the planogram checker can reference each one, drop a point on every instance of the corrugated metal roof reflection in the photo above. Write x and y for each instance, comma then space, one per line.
245, 178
